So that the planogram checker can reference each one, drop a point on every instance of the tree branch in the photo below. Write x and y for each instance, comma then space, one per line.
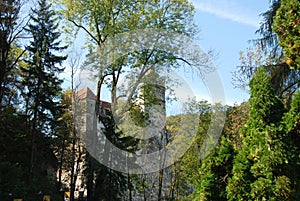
87, 31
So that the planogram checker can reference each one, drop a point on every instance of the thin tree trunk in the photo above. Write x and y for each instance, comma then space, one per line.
144, 188
61, 164
72, 183
160, 182
173, 182
129, 187
77, 163
33, 129
162, 163
90, 179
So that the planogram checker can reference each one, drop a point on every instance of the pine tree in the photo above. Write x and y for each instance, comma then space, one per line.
259, 167
40, 75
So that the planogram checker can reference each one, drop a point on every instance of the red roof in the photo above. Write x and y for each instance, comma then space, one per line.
87, 93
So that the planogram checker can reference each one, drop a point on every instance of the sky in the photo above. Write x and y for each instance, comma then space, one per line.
226, 26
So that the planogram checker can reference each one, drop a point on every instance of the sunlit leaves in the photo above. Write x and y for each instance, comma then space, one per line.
287, 26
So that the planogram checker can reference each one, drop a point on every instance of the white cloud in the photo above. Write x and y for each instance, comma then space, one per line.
227, 9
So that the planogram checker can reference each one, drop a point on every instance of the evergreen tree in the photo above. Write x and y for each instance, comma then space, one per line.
40, 75
259, 168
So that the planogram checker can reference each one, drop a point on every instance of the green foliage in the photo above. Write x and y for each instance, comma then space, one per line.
259, 167
237, 117
215, 171
292, 117
257, 157
23, 123
102, 21
191, 171
106, 18
14, 139
291, 124
287, 26
11, 179
40, 75
10, 30
15, 151
265, 107
267, 52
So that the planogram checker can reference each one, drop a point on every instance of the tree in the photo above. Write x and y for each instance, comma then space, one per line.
68, 147
15, 151
40, 74
215, 171
269, 39
15, 158
287, 26
259, 167
104, 20
291, 123
11, 179
65, 143
267, 52
10, 29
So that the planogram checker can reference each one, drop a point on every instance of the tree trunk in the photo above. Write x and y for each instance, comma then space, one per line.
72, 183
173, 182
129, 187
90, 179
144, 188
61, 164
33, 129
160, 183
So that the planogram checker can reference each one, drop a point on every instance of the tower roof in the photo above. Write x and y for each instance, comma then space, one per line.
86, 93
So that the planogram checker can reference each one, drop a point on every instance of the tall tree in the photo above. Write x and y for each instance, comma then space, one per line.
259, 167
40, 74
103, 20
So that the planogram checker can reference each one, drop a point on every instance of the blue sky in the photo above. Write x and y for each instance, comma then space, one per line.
226, 26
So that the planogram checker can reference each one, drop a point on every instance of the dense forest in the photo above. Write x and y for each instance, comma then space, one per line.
49, 151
